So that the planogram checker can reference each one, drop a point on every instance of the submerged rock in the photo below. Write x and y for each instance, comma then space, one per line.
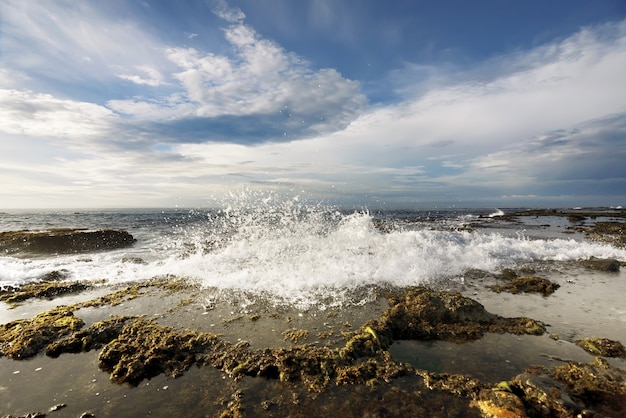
63, 241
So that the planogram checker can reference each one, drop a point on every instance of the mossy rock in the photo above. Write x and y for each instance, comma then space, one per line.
602, 347
26, 337
527, 284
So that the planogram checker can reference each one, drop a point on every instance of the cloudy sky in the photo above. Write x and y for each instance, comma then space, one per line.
404, 102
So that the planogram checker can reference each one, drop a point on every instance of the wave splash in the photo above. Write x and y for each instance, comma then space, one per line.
304, 255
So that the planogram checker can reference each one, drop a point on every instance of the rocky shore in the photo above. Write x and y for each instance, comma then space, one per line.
165, 347
133, 349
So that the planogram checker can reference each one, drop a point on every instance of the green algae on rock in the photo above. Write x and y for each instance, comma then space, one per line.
602, 347
94, 337
26, 337
574, 389
143, 350
527, 284
46, 289
424, 314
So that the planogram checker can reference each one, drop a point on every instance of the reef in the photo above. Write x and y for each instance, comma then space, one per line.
63, 241
133, 349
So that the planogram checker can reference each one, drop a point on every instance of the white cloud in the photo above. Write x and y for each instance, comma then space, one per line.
71, 41
224, 11
261, 79
154, 77
35, 114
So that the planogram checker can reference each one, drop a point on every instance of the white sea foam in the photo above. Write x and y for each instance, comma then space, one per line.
496, 214
301, 255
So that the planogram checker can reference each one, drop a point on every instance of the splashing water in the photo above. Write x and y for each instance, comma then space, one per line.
300, 254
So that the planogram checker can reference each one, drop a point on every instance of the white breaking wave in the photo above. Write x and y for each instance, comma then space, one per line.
302, 258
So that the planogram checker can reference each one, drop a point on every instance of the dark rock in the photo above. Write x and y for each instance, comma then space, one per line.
527, 284
63, 241
601, 264
94, 337
46, 289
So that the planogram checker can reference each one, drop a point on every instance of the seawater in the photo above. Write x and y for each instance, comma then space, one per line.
292, 253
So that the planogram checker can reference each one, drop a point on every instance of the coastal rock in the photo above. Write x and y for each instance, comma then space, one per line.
46, 289
601, 264
94, 337
602, 347
499, 404
26, 337
574, 389
527, 284
424, 314
63, 241
143, 350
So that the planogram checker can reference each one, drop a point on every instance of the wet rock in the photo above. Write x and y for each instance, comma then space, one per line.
602, 347
544, 394
94, 337
527, 284
144, 350
508, 274
47, 289
601, 264
499, 404
26, 337
424, 314
63, 241
592, 389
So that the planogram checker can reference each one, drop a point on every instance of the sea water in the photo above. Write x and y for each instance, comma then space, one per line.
293, 253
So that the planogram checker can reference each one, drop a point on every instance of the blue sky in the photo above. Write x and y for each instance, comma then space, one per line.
419, 103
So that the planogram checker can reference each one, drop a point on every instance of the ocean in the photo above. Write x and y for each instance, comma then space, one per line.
298, 254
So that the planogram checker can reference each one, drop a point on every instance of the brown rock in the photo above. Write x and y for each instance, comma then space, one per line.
601, 264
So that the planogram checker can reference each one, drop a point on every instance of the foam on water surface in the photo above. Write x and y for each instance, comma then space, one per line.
301, 254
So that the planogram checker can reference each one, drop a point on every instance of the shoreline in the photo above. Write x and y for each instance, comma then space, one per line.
461, 377
516, 342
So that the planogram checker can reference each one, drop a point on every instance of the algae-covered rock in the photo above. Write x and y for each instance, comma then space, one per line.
527, 284
500, 404
143, 350
602, 347
63, 241
26, 337
424, 314
45, 289
574, 389
94, 337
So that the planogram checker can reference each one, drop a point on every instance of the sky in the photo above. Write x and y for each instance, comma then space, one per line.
155, 103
